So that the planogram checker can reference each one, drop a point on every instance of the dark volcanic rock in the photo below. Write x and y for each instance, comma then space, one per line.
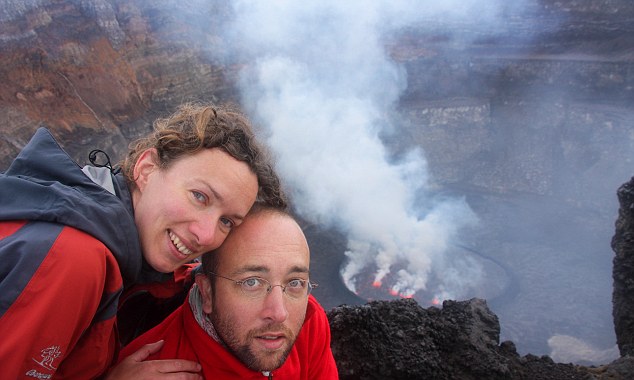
623, 270
401, 340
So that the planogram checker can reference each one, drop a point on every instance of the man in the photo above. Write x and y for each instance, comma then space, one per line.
250, 314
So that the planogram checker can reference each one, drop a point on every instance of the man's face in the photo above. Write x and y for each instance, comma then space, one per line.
260, 332
189, 208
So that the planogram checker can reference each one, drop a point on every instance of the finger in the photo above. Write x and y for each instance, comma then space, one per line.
177, 365
144, 352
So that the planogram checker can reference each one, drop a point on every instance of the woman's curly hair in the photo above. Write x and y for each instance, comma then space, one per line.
194, 127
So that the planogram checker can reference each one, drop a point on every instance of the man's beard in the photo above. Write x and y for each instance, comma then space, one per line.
226, 329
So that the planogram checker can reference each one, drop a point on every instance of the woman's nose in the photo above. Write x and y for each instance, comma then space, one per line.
207, 232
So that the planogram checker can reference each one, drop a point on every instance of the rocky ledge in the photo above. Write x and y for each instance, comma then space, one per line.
402, 340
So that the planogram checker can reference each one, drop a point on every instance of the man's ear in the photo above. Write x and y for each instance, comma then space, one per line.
204, 285
146, 164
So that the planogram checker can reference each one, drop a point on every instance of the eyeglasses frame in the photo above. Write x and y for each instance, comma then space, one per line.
310, 287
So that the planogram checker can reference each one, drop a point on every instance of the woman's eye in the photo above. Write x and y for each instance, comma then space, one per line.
228, 223
200, 197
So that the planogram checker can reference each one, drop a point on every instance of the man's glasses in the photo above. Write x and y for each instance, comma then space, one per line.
257, 287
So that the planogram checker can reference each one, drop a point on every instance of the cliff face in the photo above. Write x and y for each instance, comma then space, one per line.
61, 69
623, 270
97, 72
102, 70
551, 97
111, 66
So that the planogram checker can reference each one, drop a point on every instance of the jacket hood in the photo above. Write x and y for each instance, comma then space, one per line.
43, 183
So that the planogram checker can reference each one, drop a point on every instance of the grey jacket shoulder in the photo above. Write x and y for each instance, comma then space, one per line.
44, 183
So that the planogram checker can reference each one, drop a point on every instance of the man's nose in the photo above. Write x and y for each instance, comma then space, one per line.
275, 304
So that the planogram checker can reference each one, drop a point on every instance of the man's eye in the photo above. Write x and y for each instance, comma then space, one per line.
296, 283
252, 283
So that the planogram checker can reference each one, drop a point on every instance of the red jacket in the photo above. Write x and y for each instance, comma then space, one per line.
68, 248
310, 358
58, 326
62, 322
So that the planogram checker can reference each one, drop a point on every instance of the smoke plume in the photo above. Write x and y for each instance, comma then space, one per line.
324, 87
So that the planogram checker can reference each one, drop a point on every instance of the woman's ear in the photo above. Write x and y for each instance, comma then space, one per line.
146, 164
204, 285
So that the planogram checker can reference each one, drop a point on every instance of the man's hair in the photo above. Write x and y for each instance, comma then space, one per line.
210, 260
194, 127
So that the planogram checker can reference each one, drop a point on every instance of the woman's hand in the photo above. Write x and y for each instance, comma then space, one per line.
134, 367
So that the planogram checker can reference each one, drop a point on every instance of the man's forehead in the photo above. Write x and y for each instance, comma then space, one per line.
263, 269
265, 239
267, 229
266, 256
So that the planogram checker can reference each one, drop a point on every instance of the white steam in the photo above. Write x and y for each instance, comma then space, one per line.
569, 349
323, 85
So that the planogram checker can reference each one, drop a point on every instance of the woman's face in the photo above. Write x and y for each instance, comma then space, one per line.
189, 208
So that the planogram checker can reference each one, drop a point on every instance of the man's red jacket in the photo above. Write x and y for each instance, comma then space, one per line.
310, 358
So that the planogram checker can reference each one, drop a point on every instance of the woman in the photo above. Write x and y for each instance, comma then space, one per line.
73, 240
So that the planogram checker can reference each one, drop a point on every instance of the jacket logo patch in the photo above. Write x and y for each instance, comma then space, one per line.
48, 355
